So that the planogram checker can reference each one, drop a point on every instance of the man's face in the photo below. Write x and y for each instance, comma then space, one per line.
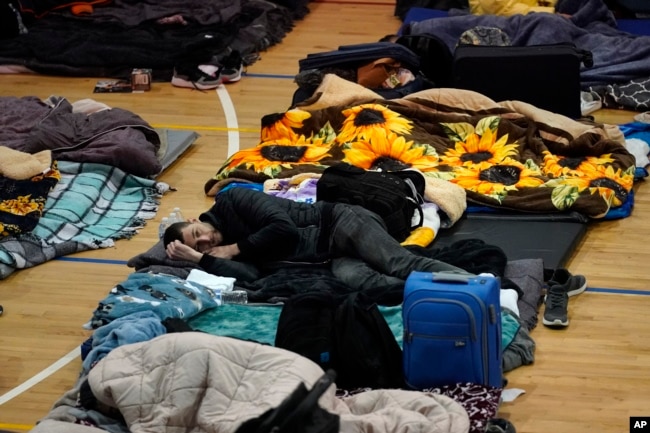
201, 236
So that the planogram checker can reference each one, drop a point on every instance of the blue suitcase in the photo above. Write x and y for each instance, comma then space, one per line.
452, 330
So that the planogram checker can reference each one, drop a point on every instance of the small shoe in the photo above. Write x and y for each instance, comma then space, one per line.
233, 66
555, 310
500, 425
201, 77
232, 75
573, 284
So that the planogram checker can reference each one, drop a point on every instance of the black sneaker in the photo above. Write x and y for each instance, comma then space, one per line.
573, 284
200, 77
500, 425
556, 304
233, 66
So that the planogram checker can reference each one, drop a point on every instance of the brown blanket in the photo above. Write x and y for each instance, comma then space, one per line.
510, 155
112, 136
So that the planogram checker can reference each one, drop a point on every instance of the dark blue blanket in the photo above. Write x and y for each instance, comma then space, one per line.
618, 56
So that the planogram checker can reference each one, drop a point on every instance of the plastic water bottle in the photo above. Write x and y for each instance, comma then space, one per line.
178, 216
164, 223
232, 297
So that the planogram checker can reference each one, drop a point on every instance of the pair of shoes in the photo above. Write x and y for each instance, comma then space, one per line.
573, 284
556, 304
200, 77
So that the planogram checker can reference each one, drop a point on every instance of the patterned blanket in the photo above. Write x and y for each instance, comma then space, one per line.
508, 156
90, 207
22, 200
164, 295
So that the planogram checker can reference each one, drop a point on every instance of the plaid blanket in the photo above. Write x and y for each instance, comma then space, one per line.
90, 207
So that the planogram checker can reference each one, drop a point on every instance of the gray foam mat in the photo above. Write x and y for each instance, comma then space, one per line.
551, 241
173, 142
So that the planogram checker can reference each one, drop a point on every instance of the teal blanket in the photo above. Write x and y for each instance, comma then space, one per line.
259, 322
92, 206
95, 204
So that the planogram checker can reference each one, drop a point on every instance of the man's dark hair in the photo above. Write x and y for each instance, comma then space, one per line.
174, 233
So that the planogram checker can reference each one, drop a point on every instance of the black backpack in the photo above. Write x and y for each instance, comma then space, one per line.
305, 326
396, 196
357, 344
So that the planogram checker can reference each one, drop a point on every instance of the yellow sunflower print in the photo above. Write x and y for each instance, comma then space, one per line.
613, 185
558, 165
364, 122
281, 125
477, 148
391, 151
270, 157
23, 205
496, 180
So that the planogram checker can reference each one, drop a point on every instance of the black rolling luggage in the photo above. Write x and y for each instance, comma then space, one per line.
547, 76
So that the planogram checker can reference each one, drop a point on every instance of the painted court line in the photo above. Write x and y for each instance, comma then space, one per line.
618, 291
16, 426
201, 128
231, 119
86, 260
44, 374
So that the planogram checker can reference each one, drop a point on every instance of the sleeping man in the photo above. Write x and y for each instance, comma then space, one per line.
263, 231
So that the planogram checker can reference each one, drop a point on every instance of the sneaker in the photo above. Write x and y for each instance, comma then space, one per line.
201, 77
233, 66
573, 284
500, 425
556, 303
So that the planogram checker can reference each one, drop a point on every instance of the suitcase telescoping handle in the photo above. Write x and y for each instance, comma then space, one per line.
452, 276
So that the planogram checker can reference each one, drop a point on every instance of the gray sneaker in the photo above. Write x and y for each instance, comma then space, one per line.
573, 284
199, 77
233, 66
556, 304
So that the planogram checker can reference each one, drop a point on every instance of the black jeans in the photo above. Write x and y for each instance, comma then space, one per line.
380, 260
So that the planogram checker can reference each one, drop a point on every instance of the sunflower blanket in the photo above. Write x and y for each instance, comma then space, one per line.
509, 155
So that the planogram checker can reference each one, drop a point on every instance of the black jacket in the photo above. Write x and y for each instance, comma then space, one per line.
271, 229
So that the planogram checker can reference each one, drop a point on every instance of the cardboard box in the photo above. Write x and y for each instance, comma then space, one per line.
141, 80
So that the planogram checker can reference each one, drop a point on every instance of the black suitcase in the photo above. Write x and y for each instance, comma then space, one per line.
547, 76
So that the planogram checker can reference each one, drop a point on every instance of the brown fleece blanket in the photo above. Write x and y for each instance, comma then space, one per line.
510, 155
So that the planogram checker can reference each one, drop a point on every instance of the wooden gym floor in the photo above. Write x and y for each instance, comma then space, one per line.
590, 377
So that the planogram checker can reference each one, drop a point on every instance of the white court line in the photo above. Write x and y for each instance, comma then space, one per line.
231, 119
44, 374
233, 146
